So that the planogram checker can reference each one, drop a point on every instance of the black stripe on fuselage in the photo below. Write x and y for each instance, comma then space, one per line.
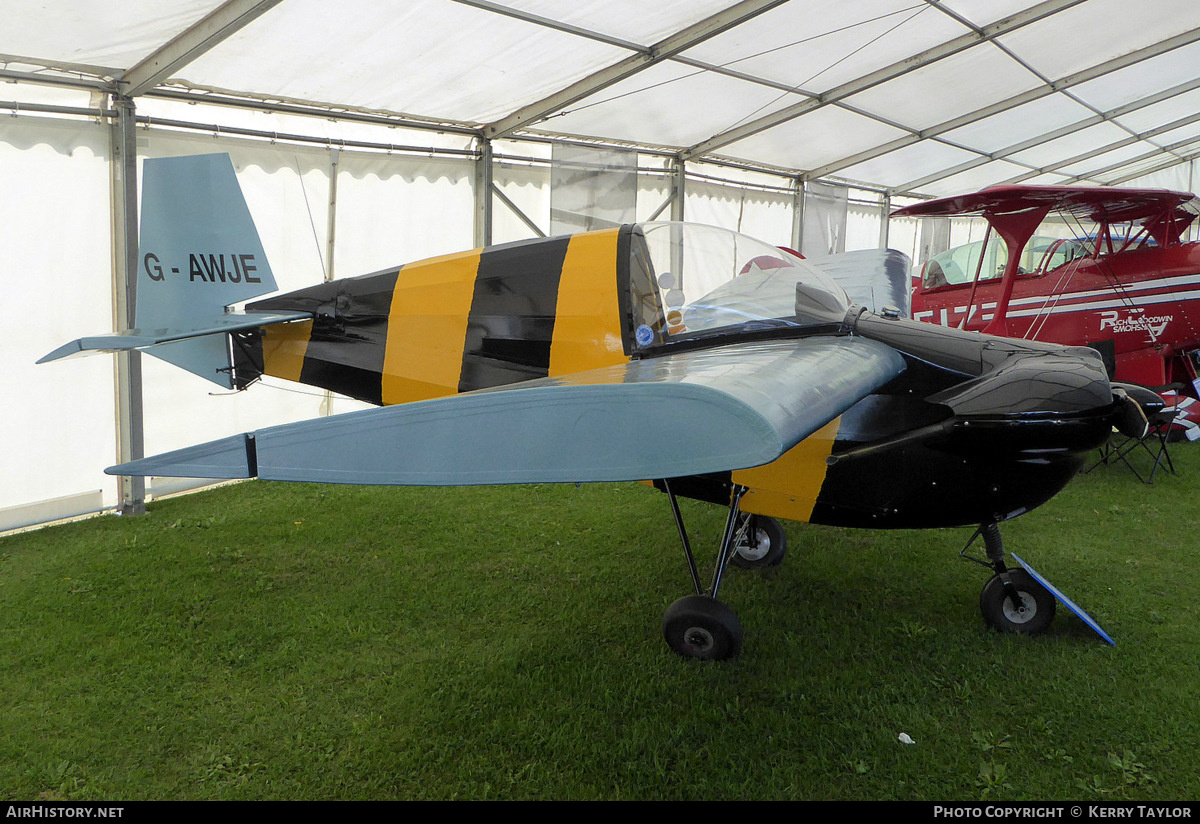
349, 332
511, 321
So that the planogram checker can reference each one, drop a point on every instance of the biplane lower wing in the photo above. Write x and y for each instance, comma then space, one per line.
690, 413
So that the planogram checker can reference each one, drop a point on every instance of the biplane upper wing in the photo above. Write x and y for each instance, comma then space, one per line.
695, 412
1107, 202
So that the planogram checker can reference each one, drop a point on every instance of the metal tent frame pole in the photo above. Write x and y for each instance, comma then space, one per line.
130, 430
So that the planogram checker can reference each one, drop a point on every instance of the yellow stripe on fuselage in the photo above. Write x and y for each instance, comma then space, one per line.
788, 487
427, 328
587, 322
283, 347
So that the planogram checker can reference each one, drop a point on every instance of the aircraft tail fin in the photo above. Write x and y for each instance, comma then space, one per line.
198, 253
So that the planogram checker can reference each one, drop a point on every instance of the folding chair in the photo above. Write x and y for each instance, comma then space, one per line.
1153, 444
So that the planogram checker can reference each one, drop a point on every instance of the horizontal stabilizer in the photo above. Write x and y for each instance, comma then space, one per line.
687, 414
143, 338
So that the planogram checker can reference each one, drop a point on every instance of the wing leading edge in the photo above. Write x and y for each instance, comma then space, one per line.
691, 413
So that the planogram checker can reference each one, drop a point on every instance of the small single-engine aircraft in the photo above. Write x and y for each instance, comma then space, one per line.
713, 365
1080, 265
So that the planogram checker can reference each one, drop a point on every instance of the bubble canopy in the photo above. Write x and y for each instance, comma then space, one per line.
691, 282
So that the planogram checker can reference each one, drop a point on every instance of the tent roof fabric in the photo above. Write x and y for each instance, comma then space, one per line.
920, 97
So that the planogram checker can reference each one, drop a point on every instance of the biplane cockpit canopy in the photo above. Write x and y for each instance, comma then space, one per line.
691, 282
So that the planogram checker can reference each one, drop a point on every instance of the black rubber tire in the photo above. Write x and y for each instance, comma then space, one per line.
999, 613
701, 627
770, 545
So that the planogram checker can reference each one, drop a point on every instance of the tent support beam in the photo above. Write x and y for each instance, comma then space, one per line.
663, 50
1070, 161
1079, 78
876, 78
1191, 158
220, 24
885, 223
130, 431
1181, 147
798, 213
678, 188
335, 157
662, 207
516, 210
1120, 144
484, 183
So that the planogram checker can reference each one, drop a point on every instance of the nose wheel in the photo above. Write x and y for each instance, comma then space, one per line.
1012, 600
1028, 613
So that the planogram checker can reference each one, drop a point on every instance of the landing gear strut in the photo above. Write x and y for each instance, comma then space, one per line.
1012, 600
698, 625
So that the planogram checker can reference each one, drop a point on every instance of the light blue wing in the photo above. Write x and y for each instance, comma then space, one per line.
692, 413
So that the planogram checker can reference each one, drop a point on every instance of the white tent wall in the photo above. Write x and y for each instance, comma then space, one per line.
527, 187
752, 209
384, 214
905, 235
766, 215
56, 236
392, 209
864, 220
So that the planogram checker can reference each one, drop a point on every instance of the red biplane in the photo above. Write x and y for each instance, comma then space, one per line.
1103, 267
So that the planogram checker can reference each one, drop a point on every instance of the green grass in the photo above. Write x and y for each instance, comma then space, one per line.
272, 641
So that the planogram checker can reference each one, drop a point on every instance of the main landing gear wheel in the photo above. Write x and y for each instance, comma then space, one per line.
762, 544
699, 626
1001, 611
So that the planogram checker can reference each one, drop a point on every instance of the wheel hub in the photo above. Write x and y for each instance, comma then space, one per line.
699, 639
759, 549
1022, 614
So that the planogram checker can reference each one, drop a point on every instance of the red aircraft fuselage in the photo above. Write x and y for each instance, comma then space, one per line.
1130, 288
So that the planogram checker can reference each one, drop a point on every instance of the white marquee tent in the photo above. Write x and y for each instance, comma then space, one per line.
370, 132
